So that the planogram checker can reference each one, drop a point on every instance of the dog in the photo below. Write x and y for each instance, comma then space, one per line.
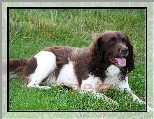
104, 64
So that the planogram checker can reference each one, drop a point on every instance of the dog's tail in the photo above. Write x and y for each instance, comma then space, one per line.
17, 67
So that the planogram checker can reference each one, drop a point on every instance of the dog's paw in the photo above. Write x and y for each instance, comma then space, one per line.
45, 87
39, 87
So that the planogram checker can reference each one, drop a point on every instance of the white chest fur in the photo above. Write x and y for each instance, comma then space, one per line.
113, 75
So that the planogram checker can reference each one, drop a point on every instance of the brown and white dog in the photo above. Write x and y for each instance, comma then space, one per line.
96, 68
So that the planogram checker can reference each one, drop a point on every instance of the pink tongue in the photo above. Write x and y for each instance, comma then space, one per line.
121, 61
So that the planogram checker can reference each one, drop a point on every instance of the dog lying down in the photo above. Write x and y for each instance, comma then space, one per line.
104, 64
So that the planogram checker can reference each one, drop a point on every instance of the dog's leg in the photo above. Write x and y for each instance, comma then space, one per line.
124, 85
46, 64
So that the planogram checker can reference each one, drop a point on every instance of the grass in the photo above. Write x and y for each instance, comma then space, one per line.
31, 30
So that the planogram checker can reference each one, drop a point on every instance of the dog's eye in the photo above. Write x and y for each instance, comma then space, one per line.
112, 42
124, 41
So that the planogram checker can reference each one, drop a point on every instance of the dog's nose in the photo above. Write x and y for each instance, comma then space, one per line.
124, 51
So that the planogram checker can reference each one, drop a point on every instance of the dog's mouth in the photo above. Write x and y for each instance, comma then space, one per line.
120, 62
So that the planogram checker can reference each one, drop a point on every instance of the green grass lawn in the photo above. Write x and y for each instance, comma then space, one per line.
33, 30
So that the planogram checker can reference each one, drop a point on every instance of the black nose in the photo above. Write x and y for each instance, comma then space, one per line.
124, 51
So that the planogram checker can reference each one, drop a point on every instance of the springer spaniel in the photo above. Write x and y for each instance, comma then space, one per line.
95, 69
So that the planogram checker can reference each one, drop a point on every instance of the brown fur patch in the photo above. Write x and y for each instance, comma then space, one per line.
82, 57
31, 66
16, 66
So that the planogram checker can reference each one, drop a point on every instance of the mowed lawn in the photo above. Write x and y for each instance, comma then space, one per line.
31, 30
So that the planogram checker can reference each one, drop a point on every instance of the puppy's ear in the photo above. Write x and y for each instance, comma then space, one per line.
131, 56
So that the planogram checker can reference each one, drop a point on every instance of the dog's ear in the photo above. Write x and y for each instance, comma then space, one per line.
98, 63
131, 56
97, 46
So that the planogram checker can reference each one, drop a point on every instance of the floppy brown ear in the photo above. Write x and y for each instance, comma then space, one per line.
131, 56
97, 47
98, 63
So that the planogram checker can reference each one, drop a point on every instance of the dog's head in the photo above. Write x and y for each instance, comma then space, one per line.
113, 47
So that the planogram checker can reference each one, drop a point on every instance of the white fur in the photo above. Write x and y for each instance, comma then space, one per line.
67, 76
92, 81
123, 84
46, 64
113, 75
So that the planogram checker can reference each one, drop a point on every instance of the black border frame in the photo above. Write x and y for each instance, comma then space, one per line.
8, 8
